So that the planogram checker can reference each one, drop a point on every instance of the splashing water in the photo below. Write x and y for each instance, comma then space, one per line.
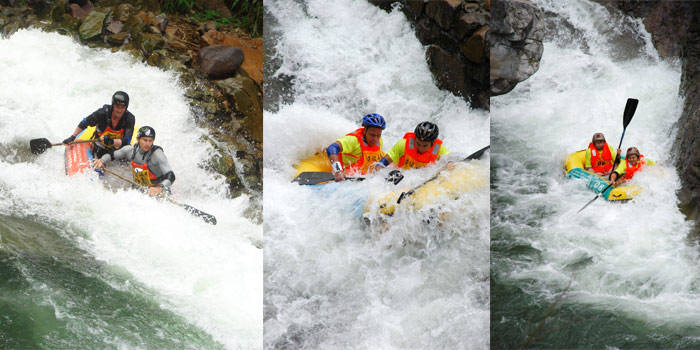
331, 281
88, 265
624, 271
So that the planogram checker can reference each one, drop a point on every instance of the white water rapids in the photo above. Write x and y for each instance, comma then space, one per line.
634, 258
331, 282
209, 275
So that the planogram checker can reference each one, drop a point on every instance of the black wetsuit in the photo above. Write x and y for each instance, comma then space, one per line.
101, 119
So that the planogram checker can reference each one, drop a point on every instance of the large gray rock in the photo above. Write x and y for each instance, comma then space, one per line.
516, 34
219, 62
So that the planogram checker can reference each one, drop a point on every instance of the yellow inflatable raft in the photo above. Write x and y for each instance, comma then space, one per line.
573, 166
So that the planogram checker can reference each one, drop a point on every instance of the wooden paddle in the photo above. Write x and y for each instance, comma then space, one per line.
475, 155
630, 108
208, 218
38, 146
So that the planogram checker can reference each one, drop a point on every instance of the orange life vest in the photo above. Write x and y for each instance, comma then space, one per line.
601, 162
412, 159
113, 134
630, 170
143, 175
370, 155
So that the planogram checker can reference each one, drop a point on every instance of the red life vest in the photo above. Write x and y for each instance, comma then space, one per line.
113, 134
142, 174
601, 162
370, 155
630, 170
412, 159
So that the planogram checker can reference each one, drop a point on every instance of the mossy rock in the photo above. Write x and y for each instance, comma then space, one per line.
92, 25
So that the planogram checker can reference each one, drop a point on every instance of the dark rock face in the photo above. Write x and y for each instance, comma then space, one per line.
516, 34
687, 144
219, 62
455, 31
667, 21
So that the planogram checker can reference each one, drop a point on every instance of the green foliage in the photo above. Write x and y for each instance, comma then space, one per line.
249, 15
211, 15
177, 6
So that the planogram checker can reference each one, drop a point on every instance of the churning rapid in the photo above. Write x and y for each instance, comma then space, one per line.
85, 266
330, 281
615, 275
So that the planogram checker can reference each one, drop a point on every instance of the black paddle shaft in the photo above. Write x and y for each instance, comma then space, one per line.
630, 108
475, 155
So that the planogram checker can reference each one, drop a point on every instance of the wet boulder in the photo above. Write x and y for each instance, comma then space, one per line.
92, 25
218, 62
516, 34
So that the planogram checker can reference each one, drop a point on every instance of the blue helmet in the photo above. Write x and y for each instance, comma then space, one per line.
374, 120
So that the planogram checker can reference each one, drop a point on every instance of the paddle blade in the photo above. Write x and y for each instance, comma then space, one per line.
38, 146
630, 108
313, 178
208, 218
478, 154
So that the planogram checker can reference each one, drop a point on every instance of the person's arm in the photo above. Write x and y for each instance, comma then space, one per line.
332, 152
382, 163
443, 154
616, 177
128, 130
122, 153
161, 168
587, 161
90, 120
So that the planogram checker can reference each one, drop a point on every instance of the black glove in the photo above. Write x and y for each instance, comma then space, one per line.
70, 139
108, 140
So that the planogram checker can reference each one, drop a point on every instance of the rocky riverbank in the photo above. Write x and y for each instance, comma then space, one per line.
220, 67
675, 32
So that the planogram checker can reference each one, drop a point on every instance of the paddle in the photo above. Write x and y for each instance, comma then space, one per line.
630, 108
596, 197
38, 146
208, 218
475, 155
317, 177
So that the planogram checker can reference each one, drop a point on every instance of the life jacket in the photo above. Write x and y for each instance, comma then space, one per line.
369, 156
113, 134
601, 162
630, 170
412, 159
142, 174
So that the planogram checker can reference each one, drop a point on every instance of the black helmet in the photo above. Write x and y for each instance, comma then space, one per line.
121, 96
427, 131
146, 131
